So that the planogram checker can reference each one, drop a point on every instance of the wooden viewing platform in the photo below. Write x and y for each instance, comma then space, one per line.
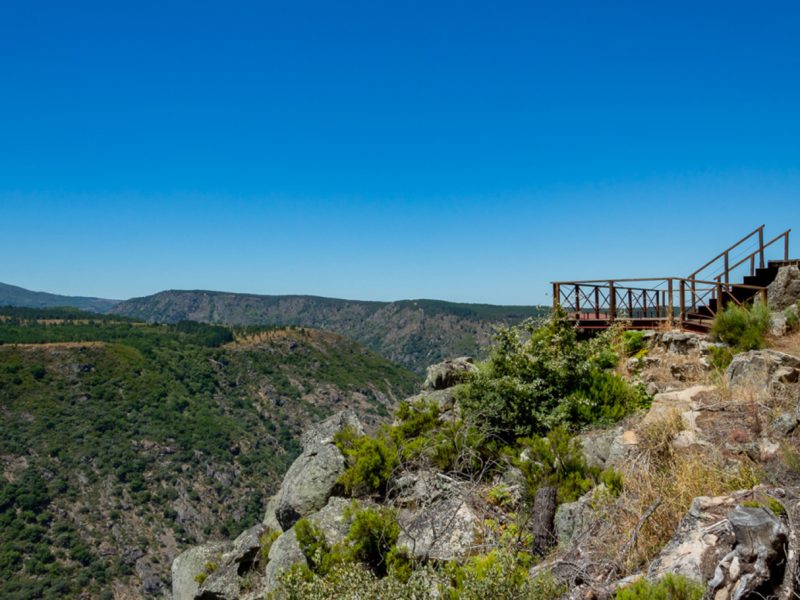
738, 275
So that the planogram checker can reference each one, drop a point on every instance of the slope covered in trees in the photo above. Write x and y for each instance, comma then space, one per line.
121, 442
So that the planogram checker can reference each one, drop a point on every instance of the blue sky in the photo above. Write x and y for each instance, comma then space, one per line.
374, 150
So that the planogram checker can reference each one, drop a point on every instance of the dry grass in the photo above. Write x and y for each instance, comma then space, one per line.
676, 478
789, 343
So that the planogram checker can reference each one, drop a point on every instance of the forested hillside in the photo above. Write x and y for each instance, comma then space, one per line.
414, 333
123, 442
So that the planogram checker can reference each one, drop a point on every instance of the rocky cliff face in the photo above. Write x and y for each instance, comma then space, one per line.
711, 491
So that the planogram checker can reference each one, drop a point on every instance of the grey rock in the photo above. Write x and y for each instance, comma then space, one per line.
311, 479
448, 373
308, 483
784, 291
444, 530
757, 560
680, 342
778, 324
286, 552
573, 519
704, 536
444, 399
598, 445
759, 370
785, 423
191, 563
322, 433
239, 558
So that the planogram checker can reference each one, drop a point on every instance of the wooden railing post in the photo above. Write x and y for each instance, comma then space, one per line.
786, 247
556, 296
683, 302
752, 266
719, 298
761, 246
596, 302
577, 300
630, 304
694, 293
612, 301
671, 306
727, 267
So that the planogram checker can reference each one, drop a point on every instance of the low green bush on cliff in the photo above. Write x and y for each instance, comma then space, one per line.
669, 587
742, 328
538, 378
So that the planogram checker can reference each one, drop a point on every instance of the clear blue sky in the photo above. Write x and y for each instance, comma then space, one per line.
375, 150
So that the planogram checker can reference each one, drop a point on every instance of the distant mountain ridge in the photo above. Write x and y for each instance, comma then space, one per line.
12, 295
414, 333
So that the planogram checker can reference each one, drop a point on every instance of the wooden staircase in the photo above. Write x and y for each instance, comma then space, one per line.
690, 303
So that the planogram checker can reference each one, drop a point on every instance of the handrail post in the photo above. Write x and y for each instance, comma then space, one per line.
612, 301
761, 246
719, 299
727, 268
694, 293
644, 304
786, 246
683, 302
596, 302
630, 304
752, 265
556, 296
671, 307
577, 300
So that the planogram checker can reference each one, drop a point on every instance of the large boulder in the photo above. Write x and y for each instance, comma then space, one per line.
761, 370
238, 559
191, 563
573, 520
436, 519
704, 536
285, 551
784, 291
448, 373
754, 568
311, 479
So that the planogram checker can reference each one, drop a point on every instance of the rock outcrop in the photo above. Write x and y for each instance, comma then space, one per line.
761, 370
311, 479
784, 291
187, 566
448, 373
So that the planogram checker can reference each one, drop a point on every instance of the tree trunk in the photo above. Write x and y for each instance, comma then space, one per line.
544, 512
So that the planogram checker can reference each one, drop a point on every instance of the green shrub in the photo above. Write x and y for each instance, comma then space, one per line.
266, 540
371, 462
521, 389
556, 460
792, 317
313, 546
633, 342
669, 587
500, 574
741, 327
720, 357
372, 536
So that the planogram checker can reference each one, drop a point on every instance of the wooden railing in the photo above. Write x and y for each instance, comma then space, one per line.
647, 302
720, 266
